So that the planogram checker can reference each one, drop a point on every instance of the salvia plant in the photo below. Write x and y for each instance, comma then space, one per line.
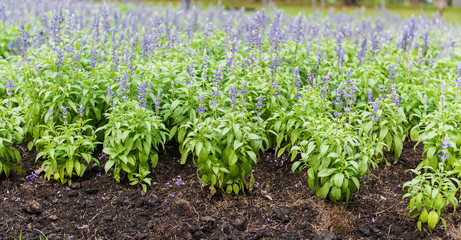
337, 95
433, 190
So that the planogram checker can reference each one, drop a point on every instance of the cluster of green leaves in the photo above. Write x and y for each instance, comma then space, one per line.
432, 131
11, 133
66, 149
133, 137
334, 159
430, 193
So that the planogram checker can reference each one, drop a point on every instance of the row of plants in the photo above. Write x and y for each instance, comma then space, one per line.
336, 95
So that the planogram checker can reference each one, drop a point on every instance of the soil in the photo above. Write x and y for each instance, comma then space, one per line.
176, 206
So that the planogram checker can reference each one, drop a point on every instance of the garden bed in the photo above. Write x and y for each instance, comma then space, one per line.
281, 206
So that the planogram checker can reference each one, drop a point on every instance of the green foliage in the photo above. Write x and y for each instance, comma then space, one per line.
132, 140
66, 150
11, 133
430, 193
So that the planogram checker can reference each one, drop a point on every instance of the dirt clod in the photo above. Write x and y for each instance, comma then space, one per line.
240, 223
152, 201
33, 207
183, 207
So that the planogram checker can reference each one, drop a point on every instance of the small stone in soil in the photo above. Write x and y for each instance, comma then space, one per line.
364, 230
75, 185
263, 233
72, 193
91, 190
33, 207
152, 200
53, 217
283, 215
240, 223
184, 207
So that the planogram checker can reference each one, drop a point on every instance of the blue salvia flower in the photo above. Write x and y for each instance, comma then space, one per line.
24, 40
9, 86
81, 110
408, 35
218, 76
190, 72
124, 81
243, 93
60, 57
445, 144
142, 94
275, 86
391, 72
202, 107
56, 22
64, 113
233, 95
296, 77
275, 33
425, 38
297, 83
157, 100
348, 76
94, 57
51, 113
339, 49
425, 102
376, 105
325, 90
337, 100
457, 84
382, 89
370, 96
296, 27
363, 50
394, 96
111, 95
259, 105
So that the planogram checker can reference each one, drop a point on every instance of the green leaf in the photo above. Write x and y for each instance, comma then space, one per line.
430, 152
383, 132
237, 131
324, 190
310, 147
184, 158
335, 194
419, 226
432, 219
237, 144
339, 177
324, 149
236, 188
70, 167
424, 215
356, 182
326, 172
295, 166
109, 164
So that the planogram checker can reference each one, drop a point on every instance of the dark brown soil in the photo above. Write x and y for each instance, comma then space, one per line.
176, 206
